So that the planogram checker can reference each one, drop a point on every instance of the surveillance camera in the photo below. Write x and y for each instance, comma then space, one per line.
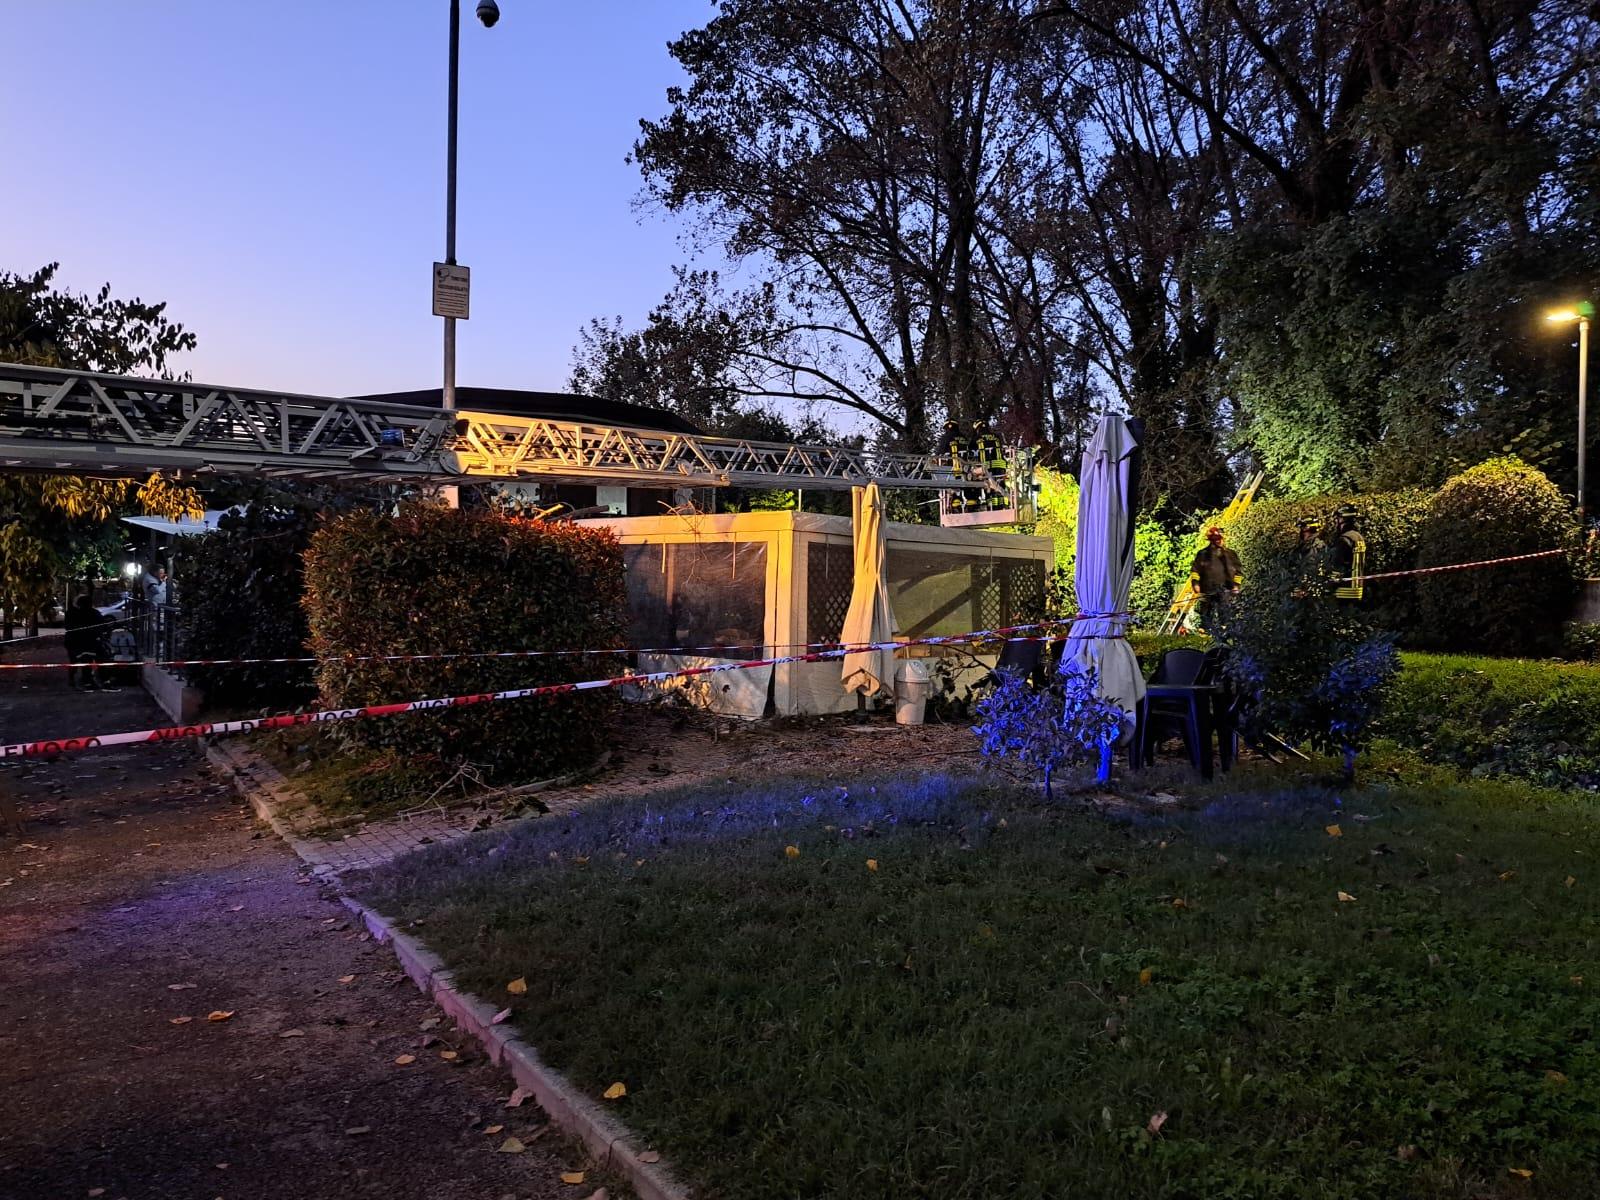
488, 13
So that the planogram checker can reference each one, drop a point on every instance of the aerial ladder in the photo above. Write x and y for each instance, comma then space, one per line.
80, 422
1185, 599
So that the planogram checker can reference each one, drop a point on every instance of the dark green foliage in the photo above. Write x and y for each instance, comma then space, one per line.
1266, 536
1499, 716
432, 580
242, 589
967, 1022
1312, 669
1499, 508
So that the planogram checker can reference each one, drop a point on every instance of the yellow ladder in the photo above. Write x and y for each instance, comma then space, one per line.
1183, 601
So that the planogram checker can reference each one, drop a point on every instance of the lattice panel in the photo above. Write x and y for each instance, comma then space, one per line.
830, 575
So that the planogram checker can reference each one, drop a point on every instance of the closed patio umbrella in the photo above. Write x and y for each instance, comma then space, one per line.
1098, 639
870, 617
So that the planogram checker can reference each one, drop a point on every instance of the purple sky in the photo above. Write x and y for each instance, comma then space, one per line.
275, 171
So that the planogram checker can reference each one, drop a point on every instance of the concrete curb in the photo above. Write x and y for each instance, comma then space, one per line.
606, 1138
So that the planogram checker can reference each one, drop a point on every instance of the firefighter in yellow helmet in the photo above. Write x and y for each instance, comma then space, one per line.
991, 457
1215, 577
960, 459
1347, 555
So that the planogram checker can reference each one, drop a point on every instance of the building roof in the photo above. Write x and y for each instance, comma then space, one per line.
557, 406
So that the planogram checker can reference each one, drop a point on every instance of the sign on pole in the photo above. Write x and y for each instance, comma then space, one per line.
452, 287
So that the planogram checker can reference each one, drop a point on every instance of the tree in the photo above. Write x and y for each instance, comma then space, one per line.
50, 520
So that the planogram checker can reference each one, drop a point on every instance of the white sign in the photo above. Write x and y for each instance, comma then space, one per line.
452, 288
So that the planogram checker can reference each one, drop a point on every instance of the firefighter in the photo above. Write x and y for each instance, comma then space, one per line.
991, 457
1347, 554
960, 459
1308, 538
1214, 577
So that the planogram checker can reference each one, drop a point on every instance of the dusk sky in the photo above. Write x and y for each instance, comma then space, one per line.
275, 171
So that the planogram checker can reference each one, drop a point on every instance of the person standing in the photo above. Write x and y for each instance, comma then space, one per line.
1347, 555
960, 451
82, 643
1215, 577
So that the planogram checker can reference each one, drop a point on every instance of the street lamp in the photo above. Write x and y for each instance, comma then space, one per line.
1582, 313
446, 306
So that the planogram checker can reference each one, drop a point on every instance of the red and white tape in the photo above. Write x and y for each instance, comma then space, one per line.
1466, 566
56, 746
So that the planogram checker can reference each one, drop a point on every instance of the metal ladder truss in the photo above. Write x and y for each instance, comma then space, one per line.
79, 422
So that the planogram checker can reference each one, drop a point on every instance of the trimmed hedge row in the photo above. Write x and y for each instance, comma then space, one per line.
433, 580
1499, 508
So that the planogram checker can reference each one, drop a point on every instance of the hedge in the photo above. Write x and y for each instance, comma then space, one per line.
431, 580
1531, 719
1501, 507
241, 589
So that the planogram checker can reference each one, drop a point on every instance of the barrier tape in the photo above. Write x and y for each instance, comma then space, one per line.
1005, 632
323, 716
1487, 562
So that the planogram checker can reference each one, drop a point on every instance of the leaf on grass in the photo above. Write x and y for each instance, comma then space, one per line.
292, 1033
512, 1145
500, 1017
572, 1177
237, 908
1405, 1153
1333, 831
495, 1129
872, 864
1145, 976
1521, 1172
1571, 880
220, 1015
518, 986
181, 987
517, 1097
1346, 898
1507, 876
1575, 980
405, 1060
449, 1055
650, 1156
181, 1020
616, 1091
791, 851
358, 1130
347, 979
1555, 1078
1157, 1120
1179, 902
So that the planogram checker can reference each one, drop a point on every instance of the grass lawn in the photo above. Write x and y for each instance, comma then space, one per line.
1008, 1002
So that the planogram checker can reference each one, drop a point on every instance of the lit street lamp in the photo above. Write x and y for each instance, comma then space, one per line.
446, 306
1582, 313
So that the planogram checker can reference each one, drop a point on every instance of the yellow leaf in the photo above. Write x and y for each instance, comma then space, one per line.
405, 1060
347, 979
495, 1129
1180, 902
181, 1020
616, 1091
1507, 875
872, 864
791, 851
219, 1015
512, 1146
1571, 879
1145, 976
1575, 980
518, 986
1333, 831
650, 1156
1346, 898
1555, 1077
1521, 1172
449, 1055
572, 1177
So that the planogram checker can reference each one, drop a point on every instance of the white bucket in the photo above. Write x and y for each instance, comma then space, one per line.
913, 684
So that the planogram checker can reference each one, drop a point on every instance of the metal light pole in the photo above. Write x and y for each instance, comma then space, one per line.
488, 13
1581, 313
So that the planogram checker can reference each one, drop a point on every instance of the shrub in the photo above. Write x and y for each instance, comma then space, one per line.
1391, 522
1048, 728
1161, 561
1310, 669
1058, 521
241, 589
1499, 508
432, 580
1499, 716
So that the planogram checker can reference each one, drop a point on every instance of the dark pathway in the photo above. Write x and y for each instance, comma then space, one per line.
140, 871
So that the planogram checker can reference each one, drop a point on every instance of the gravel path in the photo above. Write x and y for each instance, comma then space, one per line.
143, 892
